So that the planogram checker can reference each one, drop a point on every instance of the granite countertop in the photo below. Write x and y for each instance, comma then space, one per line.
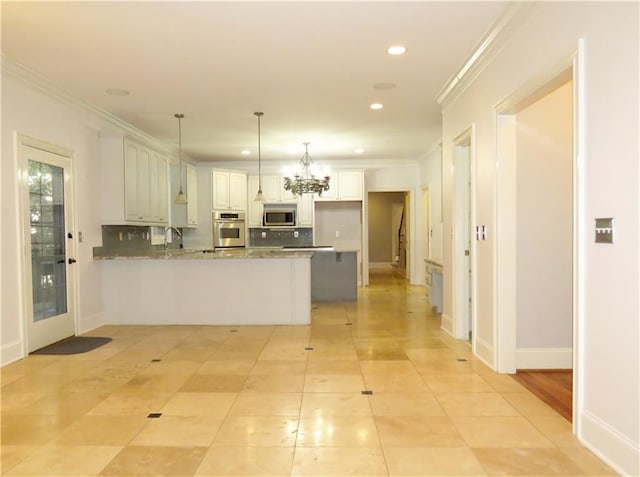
221, 254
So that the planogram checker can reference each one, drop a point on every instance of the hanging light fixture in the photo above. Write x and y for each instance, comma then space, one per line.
259, 195
304, 180
181, 198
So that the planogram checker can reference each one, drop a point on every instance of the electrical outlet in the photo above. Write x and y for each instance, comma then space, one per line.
263, 234
337, 234
296, 234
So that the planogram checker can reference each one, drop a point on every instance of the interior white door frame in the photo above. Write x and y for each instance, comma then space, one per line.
505, 244
66, 161
411, 239
464, 145
425, 203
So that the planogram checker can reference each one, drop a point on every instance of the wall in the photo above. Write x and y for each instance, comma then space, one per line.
29, 112
544, 229
380, 227
547, 35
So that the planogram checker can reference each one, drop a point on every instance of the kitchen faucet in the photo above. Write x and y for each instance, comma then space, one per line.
169, 229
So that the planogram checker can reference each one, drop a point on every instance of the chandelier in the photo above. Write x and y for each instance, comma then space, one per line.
304, 180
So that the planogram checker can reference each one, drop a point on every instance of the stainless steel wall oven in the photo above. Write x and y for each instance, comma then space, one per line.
228, 229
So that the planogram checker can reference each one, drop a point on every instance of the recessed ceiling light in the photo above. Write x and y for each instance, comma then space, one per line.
384, 86
376, 106
245, 152
396, 50
117, 92
359, 150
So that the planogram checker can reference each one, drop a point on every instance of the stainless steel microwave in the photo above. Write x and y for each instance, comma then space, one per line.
279, 217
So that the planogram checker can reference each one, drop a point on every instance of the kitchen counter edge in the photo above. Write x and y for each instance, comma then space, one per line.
218, 255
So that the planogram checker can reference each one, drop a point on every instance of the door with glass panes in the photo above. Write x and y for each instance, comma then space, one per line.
49, 247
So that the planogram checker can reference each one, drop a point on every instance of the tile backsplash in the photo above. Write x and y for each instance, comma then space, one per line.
280, 237
132, 240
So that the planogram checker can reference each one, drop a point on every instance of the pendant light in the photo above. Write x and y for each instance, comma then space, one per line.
259, 195
181, 198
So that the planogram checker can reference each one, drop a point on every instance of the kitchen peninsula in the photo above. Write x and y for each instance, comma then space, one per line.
240, 287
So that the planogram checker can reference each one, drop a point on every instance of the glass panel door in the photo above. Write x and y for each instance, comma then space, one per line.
48, 251
50, 306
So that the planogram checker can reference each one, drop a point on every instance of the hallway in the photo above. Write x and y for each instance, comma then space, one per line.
284, 400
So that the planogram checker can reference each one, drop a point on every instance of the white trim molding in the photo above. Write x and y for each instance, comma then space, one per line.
11, 352
484, 351
52, 90
446, 324
483, 53
617, 450
544, 358
380, 265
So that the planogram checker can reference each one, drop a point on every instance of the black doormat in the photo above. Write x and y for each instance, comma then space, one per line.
74, 345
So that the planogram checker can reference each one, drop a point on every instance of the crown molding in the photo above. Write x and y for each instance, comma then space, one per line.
484, 52
47, 87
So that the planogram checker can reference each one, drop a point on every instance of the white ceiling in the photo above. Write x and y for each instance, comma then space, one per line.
310, 67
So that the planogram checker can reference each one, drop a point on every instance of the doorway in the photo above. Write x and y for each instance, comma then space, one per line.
463, 245
537, 205
388, 229
46, 208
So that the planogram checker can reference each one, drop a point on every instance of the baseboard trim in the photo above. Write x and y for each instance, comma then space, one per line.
90, 323
484, 351
11, 352
544, 358
446, 324
380, 265
615, 449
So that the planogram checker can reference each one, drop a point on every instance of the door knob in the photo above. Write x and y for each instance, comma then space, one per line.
72, 260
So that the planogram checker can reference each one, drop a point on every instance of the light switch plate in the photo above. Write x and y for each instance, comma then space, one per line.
604, 230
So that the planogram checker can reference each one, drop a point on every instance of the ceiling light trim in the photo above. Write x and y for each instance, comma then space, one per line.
482, 55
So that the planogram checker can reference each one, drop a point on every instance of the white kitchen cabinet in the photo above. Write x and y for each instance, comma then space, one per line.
254, 208
273, 190
192, 195
269, 189
344, 185
229, 190
305, 210
237, 191
135, 184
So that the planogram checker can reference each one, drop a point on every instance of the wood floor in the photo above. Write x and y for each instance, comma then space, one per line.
554, 387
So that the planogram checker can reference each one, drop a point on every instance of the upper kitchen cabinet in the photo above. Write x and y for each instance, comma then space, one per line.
135, 185
229, 190
344, 185
192, 196
184, 215
273, 190
255, 209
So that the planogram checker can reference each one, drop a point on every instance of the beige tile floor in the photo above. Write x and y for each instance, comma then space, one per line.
254, 401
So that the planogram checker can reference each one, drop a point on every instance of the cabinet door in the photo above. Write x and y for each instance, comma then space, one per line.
350, 185
131, 206
237, 191
305, 210
163, 190
192, 195
220, 190
270, 185
332, 193
286, 195
144, 204
154, 205
254, 209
